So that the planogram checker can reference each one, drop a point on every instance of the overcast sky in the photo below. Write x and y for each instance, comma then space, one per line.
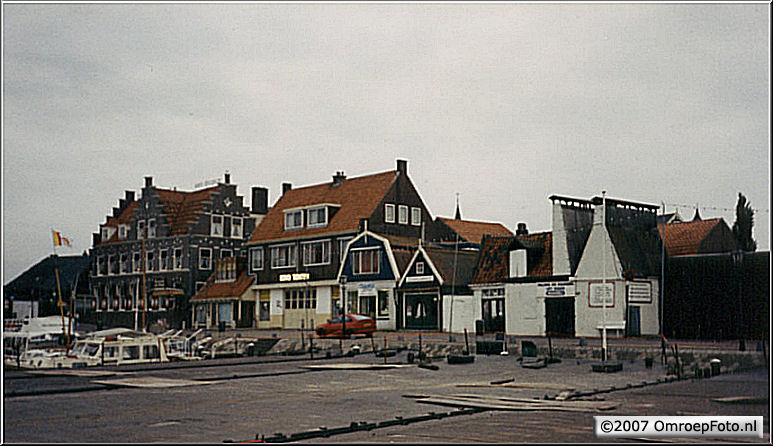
505, 104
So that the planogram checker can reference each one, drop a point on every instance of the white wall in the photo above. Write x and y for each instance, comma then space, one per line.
277, 301
463, 314
324, 300
524, 312
587, 319
561, 264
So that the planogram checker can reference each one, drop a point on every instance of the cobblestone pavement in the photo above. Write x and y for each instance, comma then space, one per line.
242, 400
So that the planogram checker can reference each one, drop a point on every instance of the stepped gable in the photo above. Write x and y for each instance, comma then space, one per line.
356, 197
125, 218
181, 208
473, 231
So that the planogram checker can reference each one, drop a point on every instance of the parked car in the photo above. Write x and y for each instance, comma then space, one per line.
355, 324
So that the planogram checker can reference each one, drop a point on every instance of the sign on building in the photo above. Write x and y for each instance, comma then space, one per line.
601, 294
555, 289
640, 292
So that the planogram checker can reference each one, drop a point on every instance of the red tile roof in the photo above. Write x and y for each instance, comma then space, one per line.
494, 261
357, 197
685, 238
213, 290
181, 208
473, 231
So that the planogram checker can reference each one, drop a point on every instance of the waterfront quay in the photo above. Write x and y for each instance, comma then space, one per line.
356, 398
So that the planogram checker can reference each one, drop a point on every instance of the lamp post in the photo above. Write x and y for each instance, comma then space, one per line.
604, 276
342, 280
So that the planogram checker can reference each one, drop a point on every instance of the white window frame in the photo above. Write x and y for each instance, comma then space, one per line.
175, 259
419, 267
105, 234
137, 261
110, 262
342, 242
256, 253
389, 213
122, 231
287, 217
216, 229
416, 216
201, 258
402, 214
140, 229
292, 260
151, 228
317, 224
234, 226
305, 246
149, 257
125, 266
161, 254
357, 261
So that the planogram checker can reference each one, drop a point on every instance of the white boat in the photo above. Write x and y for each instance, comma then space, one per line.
113, 346
41, 334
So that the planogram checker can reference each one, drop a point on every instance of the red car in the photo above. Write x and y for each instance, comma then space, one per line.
355, 324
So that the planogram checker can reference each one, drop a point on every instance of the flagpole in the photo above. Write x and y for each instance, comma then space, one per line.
59, 303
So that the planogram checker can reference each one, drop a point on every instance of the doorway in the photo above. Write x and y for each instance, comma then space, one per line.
421, 310
368, 306
559, 316
494, 314
633, 325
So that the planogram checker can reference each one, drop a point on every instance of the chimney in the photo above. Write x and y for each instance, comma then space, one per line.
402, 167
148, 181
518, 263
259, 200
129, 196
286, 187
521, 230
338, 178
227, 177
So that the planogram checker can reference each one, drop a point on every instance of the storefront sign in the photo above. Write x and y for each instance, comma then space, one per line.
555, 289
366, 289
294, 277
640, 292
419, 279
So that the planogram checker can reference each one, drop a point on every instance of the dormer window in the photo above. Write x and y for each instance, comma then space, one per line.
122, 230
294, 219
317, 217
105, 234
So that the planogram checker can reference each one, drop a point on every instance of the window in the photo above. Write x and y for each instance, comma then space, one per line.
217, 225
178, 258
141, 229
403, 214
122, 230
163, 257
111, 352
149, 262
137, 262
342, 246
256, 259
283, 256
416, 216
225, 270
205, 258
102, 265
389, 213
105, 234
316, 253
317, 217
419, 267
293, 219
383, 303
226, 253
131, 352
300, 298
264, 313
150, 352
236, 227
125, 267
151, 227
112, 264
365, 261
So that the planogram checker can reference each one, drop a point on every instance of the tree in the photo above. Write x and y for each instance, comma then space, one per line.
744, 221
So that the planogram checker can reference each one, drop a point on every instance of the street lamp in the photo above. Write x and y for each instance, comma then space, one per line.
604, 276
342, 280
